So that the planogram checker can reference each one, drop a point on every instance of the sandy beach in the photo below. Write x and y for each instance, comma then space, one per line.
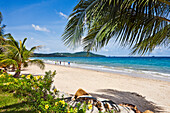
144, 93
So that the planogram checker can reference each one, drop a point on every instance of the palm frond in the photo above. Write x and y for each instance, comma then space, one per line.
12, 41
9, 49
8, 62
35, 47
0, 18
75, 27
37, 62
2, 56
150, 43
25, 64
1, 26
129, 22
23, 42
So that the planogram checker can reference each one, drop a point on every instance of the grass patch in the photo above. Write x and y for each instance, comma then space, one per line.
10, 104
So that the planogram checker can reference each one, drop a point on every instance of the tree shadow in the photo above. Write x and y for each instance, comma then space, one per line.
128, 97
33, 74
16, 108
21, 111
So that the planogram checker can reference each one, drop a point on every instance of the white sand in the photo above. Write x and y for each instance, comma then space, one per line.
70, 79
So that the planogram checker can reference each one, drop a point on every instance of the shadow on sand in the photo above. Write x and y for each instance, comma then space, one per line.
128, 97
33, 74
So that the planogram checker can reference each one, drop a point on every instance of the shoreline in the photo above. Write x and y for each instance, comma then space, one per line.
122, 71
100, 84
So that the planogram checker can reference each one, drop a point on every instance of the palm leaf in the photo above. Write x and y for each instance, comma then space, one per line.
129, 22
8, 62
34, 48
23, 42
37, 62
75, 28
0, 18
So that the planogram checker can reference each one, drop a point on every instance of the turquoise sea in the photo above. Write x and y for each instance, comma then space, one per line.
146, 67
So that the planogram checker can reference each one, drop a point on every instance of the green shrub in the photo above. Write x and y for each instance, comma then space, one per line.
36, 90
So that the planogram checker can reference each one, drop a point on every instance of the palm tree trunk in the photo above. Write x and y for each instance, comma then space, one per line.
18, 71
16, 75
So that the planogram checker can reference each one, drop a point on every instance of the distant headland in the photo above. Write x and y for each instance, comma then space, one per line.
77, 54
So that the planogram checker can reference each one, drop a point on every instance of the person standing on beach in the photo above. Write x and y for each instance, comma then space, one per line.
60, 62
55, 62
68, 63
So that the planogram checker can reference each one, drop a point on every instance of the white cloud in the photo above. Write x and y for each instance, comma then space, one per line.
157, 50
64, 15
38, 28
79, 49
47, 50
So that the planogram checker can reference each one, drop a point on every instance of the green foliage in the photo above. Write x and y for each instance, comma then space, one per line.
36, 91
1, 26
17, 55
10, 104
139, 24
2, 35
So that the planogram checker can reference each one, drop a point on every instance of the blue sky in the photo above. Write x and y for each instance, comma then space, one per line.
43, 22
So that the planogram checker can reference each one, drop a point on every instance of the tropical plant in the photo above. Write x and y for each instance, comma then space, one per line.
2, 35
17, 55
2, 40
37, 92
139, 24
1, 26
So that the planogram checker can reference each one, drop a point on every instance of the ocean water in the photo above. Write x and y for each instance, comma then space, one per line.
146, 67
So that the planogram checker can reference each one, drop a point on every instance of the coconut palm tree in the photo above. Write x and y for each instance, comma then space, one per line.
2, 40
0, 24
18, 56
139, 24
1, 28
2, 35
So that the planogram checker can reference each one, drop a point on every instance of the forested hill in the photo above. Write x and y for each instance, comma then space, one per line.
77, 54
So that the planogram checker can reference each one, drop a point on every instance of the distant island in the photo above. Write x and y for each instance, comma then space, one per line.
77, 54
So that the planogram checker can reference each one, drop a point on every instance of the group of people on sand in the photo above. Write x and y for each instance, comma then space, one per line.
59, 62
